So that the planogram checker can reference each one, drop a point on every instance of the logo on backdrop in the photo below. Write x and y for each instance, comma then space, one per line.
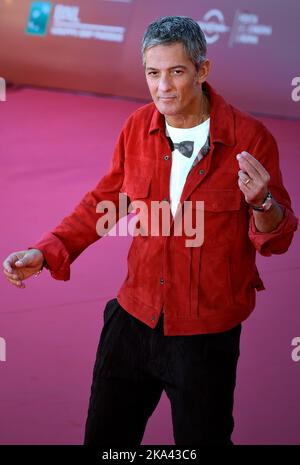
38, 18
2, 90
213, 25
296, 91
2, 350
244, 30
296, 351
66, 22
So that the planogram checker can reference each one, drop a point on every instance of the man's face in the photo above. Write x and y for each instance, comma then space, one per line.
173, 80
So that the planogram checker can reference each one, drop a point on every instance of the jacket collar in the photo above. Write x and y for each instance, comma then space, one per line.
221, 118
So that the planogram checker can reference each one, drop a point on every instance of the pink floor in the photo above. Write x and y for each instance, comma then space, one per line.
55, 146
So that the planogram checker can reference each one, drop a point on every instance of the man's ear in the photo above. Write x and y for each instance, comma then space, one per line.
203, 71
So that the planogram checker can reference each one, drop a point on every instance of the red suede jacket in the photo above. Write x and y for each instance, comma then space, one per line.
204, 289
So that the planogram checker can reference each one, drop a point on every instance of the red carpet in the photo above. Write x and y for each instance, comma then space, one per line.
55, 146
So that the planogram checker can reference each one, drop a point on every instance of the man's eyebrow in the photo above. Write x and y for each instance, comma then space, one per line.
178, 66
172, 67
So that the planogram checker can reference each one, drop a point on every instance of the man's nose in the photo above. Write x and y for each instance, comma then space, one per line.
164, 83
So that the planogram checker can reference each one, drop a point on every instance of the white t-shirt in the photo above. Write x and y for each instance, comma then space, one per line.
181, 164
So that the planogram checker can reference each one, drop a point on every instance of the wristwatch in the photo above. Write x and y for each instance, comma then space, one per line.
265, 206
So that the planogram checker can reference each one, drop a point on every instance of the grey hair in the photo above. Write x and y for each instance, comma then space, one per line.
171, 29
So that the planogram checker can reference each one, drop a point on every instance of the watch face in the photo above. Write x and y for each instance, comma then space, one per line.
268, 204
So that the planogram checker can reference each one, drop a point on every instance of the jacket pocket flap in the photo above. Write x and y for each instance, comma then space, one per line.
135, 186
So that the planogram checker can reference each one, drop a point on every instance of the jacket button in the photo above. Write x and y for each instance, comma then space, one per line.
166, 157
165, 199
153, 318
162, 281
201, 171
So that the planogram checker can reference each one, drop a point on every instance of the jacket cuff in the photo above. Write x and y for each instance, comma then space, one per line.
56, 256
276, 241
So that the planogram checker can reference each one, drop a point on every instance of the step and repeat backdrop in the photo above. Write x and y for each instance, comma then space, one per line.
94, 46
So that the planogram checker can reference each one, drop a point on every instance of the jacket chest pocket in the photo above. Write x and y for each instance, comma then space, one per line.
135, 186
222, 215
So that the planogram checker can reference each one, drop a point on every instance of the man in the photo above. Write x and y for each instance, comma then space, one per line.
176, 322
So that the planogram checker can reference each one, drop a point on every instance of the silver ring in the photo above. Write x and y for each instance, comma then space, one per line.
247, 181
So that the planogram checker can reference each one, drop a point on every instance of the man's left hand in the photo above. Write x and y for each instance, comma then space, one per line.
253, 179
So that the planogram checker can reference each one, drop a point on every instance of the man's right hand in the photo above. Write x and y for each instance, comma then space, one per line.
21, 265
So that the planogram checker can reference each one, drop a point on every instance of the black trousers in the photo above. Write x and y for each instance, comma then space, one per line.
135, 364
